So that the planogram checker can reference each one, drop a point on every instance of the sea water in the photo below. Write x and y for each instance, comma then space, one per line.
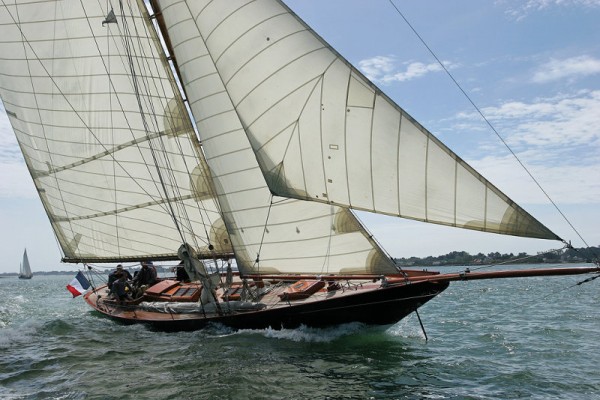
525, 338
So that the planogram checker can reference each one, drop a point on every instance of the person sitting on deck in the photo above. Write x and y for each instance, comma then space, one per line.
146, 277
181, 274
114, 275
121, 288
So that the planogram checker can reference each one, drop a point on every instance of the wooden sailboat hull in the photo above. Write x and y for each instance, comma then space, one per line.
369, 304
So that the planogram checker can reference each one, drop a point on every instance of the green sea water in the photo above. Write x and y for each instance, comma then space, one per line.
526, 338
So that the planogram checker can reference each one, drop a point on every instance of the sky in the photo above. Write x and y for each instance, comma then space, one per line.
532, 67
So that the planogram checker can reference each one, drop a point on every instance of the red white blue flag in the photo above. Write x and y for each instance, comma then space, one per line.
78, 285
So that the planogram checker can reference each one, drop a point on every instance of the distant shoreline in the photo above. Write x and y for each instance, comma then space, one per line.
453, 259
462, 258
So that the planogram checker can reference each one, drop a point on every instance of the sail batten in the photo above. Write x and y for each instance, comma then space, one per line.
322, 132
104, 132
269, 234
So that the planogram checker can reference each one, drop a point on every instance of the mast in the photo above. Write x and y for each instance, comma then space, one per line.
270, 234
105, 135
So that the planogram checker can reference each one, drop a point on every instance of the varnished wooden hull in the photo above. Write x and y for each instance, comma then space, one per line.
369, 304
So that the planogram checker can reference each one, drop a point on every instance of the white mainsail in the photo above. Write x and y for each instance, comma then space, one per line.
25, 270
97, 114
270, 235
320, 130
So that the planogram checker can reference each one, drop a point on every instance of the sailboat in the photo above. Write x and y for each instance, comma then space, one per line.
230, 136
25, 269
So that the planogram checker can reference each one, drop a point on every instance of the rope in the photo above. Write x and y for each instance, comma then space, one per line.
488, 123
182, 216
91, 272
518, 260
262, 239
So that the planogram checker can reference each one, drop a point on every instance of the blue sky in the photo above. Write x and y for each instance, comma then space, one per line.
532, 67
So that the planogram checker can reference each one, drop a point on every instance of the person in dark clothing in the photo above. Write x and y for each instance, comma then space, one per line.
146, 277
113, 276
181, 274
121, 288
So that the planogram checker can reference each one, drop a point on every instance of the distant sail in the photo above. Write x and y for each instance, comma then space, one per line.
25, 270
97, 114
287, 236
322, 132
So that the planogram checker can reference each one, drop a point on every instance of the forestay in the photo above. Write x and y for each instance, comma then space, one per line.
322, 132
97, 115
270, 235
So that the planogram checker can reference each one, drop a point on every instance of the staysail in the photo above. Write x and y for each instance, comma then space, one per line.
104, 132
269, 234
322, 132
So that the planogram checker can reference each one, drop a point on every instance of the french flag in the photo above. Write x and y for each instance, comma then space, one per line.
78, 285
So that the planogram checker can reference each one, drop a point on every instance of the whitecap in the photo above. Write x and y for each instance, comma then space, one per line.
313, 335
21, 333
408, 327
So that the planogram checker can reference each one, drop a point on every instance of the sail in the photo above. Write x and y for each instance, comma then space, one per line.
25, 271
104, 132
322, 132
269, 234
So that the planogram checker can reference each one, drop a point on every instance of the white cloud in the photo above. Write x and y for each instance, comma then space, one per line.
565, 184
566, 121
376, 67
383, 69
569, 68
522, 9
557, 139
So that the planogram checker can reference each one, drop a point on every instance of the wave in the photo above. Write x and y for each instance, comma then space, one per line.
19, 333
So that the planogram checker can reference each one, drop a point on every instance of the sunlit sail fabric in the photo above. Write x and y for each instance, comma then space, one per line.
322, 132
269, 235
96, 113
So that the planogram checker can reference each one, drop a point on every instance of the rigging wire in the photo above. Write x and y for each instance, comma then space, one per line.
183, 215
131, 129
17, 22
136, 88
193, 141
531, 304
165, 173
111, 90
262, 238
112, 130
487, 122
55, 85
518, 260
567, 244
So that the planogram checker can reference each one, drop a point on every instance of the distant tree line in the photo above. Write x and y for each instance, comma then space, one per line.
588, 254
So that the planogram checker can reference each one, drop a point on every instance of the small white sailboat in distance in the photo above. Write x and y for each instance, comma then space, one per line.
25, 271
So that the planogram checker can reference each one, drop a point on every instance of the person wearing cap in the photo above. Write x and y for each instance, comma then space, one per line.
146, 276
114, 275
